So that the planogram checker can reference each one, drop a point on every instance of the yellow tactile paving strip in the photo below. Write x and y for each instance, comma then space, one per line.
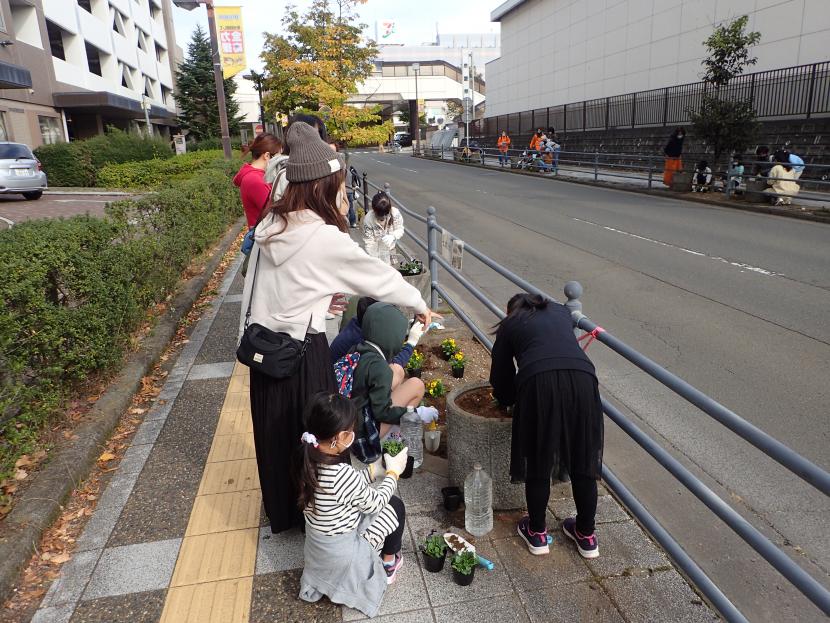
213, 578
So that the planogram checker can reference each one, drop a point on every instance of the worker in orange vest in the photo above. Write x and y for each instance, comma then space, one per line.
503, 145
536, 141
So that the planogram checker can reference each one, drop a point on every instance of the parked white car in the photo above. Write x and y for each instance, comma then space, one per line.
20, 171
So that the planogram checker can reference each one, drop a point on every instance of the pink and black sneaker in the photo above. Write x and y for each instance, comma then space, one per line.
587, 545
537, 542
392, 568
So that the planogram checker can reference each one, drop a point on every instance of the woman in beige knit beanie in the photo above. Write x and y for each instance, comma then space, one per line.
302, 257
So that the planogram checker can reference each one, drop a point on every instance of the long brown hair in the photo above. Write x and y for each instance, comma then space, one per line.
325, 415
261, 144
319, 196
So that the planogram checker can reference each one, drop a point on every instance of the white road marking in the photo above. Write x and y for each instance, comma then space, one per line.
7, 221
717, 258
411, 170
81, 201
382, 162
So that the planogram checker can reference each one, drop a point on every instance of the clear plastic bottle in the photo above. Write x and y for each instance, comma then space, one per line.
478, 502
412, 431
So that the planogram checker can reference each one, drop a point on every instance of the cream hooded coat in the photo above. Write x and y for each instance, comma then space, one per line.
302, 265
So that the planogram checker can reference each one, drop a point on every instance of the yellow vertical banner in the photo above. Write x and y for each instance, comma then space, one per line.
230, 34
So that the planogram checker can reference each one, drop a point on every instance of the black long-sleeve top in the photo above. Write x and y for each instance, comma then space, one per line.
674, 148
539, 341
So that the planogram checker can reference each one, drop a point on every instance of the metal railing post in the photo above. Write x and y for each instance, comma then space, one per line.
387, 188
365, 193
596, 165
432, 251
573, 291
650, 171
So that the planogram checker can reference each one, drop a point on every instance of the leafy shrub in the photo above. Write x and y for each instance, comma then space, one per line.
75, 290
77, 163
213, 143
154, 173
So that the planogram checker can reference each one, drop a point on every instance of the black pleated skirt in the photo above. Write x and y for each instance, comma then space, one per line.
557, 424
277, 412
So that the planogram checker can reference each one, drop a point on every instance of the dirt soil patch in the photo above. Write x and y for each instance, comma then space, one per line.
481, 402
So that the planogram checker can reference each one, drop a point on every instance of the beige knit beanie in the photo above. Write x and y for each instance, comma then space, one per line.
309, 158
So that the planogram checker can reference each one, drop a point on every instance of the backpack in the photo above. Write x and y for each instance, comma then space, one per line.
344, 373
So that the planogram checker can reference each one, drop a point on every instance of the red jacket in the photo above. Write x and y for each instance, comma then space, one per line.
254, 191
503, 143
535, 142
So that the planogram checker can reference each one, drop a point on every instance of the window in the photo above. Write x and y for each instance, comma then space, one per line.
55, 40
165, 94
400, 70
160, 53
93, 59
50, 129
126, 76
2, 21
154, 12
148, 88
118, 23
86, 5
4, 133
15, 150
142, 40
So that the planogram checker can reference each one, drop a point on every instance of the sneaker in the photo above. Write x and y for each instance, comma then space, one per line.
537, 542
391, 568
587, 545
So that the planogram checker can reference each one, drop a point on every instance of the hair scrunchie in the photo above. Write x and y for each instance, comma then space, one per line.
308, 438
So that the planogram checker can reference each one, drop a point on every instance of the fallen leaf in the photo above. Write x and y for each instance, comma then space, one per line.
39, 455
106, 456
5, 510
9, 489
21, 474
60, 559
23, 461
137, 411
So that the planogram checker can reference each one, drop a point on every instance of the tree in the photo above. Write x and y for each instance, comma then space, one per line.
317, 65
454, 110
196, 96
725, 119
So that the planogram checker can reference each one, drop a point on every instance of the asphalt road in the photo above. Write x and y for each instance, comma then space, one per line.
14, 208
734, 302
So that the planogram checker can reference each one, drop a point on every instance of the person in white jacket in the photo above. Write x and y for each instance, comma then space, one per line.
303, 256
382, 228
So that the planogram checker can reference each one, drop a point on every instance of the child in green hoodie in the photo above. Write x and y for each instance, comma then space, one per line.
384, 331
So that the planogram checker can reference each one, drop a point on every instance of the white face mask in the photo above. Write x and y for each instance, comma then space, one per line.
342, 204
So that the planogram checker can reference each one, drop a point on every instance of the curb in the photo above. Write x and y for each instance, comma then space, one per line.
746, 207
41, 503
103, 192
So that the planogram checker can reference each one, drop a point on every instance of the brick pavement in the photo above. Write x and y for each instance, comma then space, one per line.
179, 534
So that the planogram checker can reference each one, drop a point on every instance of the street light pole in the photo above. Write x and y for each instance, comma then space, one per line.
257, 80
416, 67
217, 70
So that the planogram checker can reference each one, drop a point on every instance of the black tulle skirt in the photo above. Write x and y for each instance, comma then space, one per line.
557, 424
277, 411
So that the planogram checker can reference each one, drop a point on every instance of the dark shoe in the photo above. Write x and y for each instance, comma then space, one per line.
391, 568
537, 542
587, 545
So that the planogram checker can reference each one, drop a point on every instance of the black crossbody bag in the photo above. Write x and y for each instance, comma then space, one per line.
275, 354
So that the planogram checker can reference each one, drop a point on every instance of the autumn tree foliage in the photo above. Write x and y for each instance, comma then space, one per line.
317, 65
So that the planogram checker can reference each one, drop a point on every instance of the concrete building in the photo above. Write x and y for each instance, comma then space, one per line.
70, 68
556, 52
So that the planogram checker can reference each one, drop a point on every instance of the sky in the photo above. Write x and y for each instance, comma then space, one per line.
415, 21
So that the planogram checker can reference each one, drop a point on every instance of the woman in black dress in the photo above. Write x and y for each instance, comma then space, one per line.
557, 415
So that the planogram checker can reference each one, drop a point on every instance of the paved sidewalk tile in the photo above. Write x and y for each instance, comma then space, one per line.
214, 602
275, 599
583, 601
608, 510
664, 592
148, 432
211, 371
407, 593
414, 616
494, 610
225, 511
142, 607
443, 591
221, 556
134, 459
624, 546
232, 448
562, 566
133, 568
118, 490
54, 614
69, 587
98, 529
279, 552
229, 476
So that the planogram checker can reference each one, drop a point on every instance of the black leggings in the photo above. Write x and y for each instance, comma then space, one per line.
584, 491
392, 543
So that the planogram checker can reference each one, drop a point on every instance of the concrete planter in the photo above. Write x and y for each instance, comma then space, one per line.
421, 282
472, 438
682, 182
754, 192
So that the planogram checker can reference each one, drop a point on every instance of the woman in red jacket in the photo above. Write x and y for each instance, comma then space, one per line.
251, 177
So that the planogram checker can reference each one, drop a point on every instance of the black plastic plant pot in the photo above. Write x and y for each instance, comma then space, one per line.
415, 372
461, 579
452, 498
432, 564
458, 373
410, 463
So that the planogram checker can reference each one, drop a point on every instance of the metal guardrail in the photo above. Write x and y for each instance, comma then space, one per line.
815, 186
791, 460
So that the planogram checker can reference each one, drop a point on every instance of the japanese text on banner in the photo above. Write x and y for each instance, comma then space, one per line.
229, 33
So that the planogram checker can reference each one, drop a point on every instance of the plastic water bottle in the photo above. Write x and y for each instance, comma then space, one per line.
478, 502
412, 431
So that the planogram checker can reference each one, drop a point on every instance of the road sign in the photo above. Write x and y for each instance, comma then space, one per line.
467, 115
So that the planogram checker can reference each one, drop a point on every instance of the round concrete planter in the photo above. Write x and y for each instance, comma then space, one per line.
472, 438
682, 181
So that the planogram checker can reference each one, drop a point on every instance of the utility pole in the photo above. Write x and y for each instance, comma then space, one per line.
219, 79
416, 68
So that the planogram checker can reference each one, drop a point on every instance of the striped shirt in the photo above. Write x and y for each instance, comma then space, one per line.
343, 496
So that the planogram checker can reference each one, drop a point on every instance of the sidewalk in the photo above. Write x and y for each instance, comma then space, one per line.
179, 534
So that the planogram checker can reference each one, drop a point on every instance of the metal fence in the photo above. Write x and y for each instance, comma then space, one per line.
788, 458
802, 91
647, 170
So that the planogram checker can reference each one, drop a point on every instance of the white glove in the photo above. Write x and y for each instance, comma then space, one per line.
389, 240
378, 470
427, 414
415, 333
396, 463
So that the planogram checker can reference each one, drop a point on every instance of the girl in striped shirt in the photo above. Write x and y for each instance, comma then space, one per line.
348, 522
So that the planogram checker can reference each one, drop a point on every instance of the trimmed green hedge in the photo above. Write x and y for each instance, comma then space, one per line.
77, 163
74, 291
155, 173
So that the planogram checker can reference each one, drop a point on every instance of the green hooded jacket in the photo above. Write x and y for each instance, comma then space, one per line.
384, 327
